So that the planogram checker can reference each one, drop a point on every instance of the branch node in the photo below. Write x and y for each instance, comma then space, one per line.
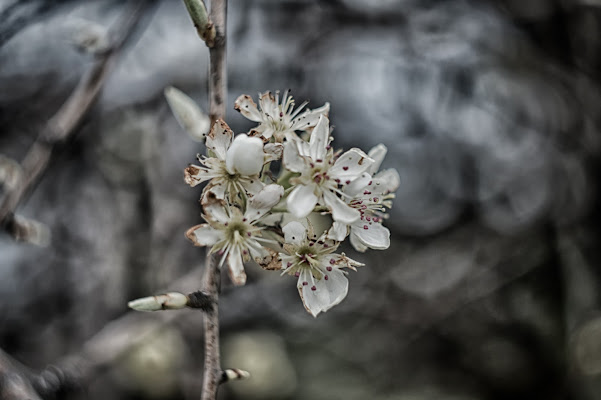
201, 300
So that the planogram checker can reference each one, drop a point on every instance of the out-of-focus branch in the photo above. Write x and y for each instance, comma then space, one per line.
15, 380
68, 117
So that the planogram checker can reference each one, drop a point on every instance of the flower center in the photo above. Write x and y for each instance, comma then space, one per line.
236, 232
319, 175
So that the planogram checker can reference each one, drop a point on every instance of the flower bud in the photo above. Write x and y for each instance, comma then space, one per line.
245, 156
190, 117
167, 301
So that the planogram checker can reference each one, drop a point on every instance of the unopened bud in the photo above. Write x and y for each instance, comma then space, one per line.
245, 155
187, 113
167, 301
234, 374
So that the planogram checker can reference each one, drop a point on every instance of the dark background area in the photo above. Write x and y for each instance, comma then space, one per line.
490, 111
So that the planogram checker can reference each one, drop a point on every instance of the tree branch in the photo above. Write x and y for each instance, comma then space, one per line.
217, 99
68, 117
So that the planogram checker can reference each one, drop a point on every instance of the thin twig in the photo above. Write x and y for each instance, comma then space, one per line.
217, 68
68, 117
212, 363
217, 99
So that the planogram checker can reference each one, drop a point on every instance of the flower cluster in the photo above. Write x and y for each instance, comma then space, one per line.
265, 187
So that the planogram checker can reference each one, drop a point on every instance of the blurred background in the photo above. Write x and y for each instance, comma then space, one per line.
490, 111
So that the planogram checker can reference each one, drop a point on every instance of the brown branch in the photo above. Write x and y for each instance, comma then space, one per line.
68, 117
217, 68
212, 375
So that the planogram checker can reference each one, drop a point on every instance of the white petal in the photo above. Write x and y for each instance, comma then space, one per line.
245, 155
338, 231
294, 233
269, 107
319, 139
273, 151
219, 138
268, 197
217, 187
377, 153
248, 108
214, 208
325, 293
341, 211
387, 181
264, 201
302, 200
350, 165
236, 267
376, 236
252, 185
356, 243
310, 118
336, 286
292, 159
188, 114
204, 235
314, 301
357, 186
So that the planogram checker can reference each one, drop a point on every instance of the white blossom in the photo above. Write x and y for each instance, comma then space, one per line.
370, 195
322, 282
278, 119
322, 174
234, 235
235, 166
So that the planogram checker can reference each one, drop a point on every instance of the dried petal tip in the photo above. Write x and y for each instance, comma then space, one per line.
234, 374
167, 301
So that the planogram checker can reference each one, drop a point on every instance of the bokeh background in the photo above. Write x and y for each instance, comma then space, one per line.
490, 111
